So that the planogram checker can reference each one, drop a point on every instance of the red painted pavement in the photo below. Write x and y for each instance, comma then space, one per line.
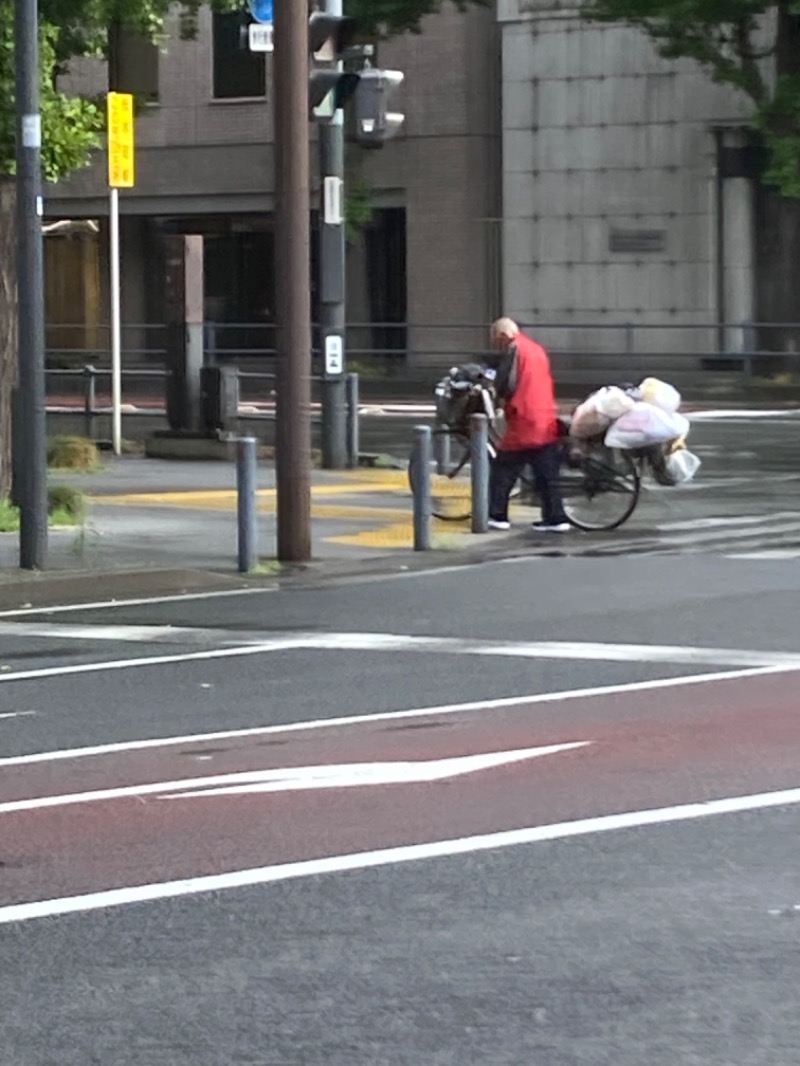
651, 749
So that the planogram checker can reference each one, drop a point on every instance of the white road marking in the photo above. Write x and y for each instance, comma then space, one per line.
120, 633
253, 644
97, 605
151, 660
298, 778
775, 553
598, 692
731, 520
17, 714
20, 912
743, 415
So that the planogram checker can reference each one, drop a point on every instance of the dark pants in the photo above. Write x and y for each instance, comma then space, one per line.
507, 467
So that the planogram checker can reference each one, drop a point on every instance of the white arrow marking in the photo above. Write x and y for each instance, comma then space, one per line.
346, 775
349, 775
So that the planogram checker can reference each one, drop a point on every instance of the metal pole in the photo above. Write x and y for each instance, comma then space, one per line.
293, 267
246, 503
332, 284
441, 452
89, 400
116, 331
31, 436
353, 443
479, 471
421, 487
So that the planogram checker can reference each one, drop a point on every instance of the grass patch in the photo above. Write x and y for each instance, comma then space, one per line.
72, 453
65, 507
9, 517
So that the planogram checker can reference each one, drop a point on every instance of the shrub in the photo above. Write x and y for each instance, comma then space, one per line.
65, 505
72, 453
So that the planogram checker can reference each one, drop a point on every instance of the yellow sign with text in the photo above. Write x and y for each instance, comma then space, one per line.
120, 140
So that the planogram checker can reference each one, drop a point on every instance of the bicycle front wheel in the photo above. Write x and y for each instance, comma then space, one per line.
601, 490
451, 491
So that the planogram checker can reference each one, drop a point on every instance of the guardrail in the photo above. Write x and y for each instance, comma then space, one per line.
395, 349
92, 406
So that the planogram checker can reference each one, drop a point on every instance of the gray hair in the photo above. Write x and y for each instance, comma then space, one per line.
504, 327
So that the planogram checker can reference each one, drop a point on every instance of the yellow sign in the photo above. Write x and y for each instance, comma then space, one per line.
120, 140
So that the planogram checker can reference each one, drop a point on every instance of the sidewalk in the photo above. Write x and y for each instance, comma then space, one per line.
155, 525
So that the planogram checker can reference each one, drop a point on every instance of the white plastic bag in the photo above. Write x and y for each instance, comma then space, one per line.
660, 394
646, 424
682, 466
612, 402
587, 421
598, 411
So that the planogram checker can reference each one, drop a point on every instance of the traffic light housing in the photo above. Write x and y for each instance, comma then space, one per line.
329, 38
330, 35
375, 123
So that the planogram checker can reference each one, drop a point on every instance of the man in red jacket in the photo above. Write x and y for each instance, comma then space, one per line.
525, 389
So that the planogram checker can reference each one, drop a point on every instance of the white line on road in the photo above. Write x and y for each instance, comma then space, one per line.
98, 605
151, 660
253, 644
598, 692
17, 714
299, 778
263, 875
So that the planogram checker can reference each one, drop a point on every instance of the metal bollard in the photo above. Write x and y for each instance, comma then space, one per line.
89, 400
421, 485
441, 452
353, 443
479, 468
246, 503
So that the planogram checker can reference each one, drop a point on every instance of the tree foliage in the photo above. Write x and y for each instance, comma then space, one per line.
750, 45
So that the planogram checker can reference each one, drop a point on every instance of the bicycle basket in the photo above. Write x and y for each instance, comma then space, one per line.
459, 395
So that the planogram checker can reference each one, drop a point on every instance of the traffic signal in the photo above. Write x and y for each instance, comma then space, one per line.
375, 123
329, 38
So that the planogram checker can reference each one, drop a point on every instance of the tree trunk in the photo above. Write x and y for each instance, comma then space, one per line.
8, 324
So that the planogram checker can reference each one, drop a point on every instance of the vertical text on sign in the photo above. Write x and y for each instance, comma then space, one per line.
120, 141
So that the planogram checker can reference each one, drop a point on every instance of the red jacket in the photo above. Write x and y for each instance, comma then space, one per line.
531, 409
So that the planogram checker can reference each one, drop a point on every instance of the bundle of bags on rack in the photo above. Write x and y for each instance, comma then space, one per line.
632, 417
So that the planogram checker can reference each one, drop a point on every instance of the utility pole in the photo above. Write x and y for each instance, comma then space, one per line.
30, 435
293, 269
332, 282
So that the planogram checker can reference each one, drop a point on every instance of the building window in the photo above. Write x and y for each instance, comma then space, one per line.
238, 72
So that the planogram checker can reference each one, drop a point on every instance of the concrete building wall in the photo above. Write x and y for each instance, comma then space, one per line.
199, 155
609, 185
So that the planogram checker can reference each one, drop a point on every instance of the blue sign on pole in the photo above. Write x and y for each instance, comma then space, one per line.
261, 10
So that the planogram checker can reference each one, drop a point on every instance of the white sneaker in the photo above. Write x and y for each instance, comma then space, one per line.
559, 527
497, 523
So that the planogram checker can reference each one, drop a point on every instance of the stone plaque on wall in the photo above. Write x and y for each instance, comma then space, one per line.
637, 240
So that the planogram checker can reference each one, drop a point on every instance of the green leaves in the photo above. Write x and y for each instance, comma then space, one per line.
752, 46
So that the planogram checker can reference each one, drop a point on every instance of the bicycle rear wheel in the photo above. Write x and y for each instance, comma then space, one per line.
601, 490
451, 491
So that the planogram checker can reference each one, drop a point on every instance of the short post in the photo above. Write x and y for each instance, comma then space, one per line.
479, 469
421, 485
441, 452
353, 443
89, 400
246, 503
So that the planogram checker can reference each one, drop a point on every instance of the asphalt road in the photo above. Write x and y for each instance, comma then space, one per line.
534, 812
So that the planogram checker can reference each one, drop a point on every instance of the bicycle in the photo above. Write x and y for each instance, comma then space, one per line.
600, 486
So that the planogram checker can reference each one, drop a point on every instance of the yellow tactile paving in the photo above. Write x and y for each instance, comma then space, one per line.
389, 523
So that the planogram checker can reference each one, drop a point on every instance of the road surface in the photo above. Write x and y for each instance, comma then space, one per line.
541, 811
